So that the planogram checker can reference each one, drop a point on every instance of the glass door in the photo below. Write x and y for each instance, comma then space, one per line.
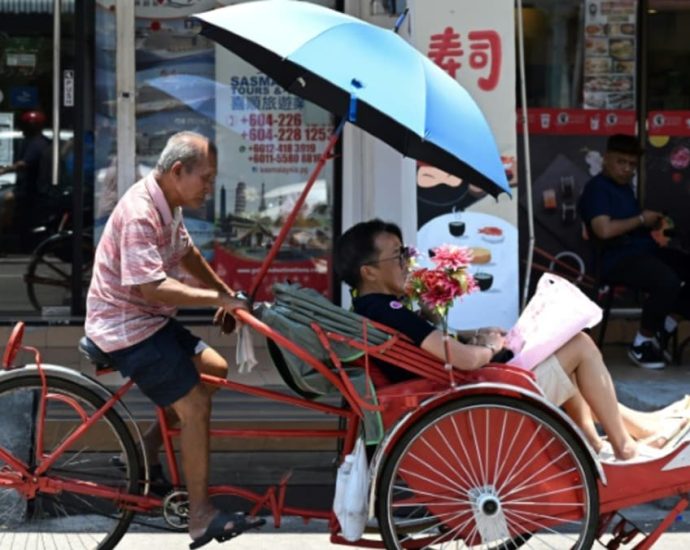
667, 159
37, 113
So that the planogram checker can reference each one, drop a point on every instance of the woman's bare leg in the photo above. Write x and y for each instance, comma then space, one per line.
577, 408
580, 357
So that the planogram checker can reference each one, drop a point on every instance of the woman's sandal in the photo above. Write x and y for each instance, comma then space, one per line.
216, 529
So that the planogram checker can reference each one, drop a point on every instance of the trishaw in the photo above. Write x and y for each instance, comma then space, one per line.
466, 460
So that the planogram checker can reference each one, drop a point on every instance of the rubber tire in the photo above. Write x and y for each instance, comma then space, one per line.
33, 381
521, 406
56, 243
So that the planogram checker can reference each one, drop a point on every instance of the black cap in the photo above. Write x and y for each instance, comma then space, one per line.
624, 143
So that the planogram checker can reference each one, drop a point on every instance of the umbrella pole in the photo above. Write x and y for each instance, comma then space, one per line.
273, 252
528, 164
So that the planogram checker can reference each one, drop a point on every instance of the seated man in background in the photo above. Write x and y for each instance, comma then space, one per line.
630, 255
371, 259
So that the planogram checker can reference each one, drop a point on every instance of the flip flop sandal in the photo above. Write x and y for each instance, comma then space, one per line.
216, 529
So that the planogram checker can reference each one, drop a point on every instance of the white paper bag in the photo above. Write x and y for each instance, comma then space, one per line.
351, 493
557, 312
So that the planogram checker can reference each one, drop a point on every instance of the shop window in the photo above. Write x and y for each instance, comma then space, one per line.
268, 142
581, 54
34, 205
668, 57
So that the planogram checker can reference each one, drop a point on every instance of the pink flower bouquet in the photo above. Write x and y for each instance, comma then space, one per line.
435, 289
438, 287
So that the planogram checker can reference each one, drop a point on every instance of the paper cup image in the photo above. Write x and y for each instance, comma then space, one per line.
484, 280
457, 229
549, 197
545, 119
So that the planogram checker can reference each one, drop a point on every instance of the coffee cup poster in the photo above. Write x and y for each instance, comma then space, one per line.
474, 43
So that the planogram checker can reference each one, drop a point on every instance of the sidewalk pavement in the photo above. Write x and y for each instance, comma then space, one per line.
646, 389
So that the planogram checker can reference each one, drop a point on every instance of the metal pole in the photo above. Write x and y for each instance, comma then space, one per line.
126, 124
84, 45
57, 13
641, 88
528, 164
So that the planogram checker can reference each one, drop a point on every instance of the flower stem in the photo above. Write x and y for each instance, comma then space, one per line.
446, 349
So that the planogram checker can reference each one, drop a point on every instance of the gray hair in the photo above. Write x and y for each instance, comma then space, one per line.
185, 147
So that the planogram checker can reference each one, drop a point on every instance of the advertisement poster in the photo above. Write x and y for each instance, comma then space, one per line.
668, 173
166, 45
475, 44
268, 144
565, 156
610, 54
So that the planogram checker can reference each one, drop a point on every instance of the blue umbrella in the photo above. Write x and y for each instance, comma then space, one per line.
367, 75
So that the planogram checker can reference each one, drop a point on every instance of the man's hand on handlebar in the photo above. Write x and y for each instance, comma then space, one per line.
225, 317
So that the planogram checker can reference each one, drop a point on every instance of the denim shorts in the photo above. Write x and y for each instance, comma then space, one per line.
162, 364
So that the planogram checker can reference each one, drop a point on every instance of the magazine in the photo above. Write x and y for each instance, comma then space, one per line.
557, 312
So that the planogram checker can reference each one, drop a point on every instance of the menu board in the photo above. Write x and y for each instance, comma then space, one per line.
610, 54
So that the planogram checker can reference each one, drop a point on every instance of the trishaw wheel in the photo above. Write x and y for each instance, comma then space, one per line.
488, 472
51, 519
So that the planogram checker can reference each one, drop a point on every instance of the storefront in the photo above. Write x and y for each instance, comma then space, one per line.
593, 68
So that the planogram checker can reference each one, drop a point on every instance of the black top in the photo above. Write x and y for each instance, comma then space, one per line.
36, 154
603, 196
389, 310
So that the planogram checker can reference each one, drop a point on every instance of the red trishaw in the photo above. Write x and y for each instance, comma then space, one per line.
466, 460
471, 460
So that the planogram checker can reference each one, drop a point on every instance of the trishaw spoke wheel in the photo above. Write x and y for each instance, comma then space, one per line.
59, 520
488, 472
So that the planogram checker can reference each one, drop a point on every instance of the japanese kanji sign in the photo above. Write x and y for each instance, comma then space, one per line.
474, 43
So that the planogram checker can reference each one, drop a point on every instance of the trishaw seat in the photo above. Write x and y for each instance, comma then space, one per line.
95, 355
293, 314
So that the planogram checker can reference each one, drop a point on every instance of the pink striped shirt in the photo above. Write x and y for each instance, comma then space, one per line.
142, 242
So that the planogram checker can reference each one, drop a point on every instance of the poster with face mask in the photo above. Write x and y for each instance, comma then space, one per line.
473, 43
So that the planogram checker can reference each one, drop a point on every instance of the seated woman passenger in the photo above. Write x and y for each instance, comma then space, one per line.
371, 259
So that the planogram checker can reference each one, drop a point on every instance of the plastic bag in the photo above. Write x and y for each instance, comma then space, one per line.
244, 354
557, 312
351, 493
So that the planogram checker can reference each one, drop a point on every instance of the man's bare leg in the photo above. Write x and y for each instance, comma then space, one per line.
209, 361
194, 410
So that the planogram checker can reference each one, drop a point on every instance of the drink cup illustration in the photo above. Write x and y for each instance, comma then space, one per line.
484, 280
456, 228
545, 119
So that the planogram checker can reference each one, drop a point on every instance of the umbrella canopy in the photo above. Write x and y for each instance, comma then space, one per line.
368, 75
